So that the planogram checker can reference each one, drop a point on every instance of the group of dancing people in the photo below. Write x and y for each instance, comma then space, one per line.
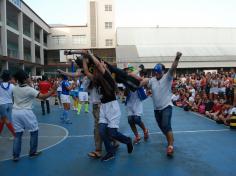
102, 88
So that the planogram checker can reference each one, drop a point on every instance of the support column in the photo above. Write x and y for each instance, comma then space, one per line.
20, 39
32, 42
33, 71
41, 47
4, 27
5, 65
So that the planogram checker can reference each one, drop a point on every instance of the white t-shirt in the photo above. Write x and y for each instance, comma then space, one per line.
161, 91
95, 98
233, 111
6, 93
193, 92
24, 97
175, 97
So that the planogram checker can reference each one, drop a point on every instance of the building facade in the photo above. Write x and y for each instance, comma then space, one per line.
23, 39
202, 48
30, 43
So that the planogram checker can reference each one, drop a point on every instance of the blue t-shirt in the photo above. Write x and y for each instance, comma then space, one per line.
64, 86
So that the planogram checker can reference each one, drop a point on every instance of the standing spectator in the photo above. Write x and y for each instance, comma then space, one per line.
44, 88
23, 117
6, 89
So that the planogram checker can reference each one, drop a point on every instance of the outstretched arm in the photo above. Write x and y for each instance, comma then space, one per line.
175, 63
144, 82
73, 75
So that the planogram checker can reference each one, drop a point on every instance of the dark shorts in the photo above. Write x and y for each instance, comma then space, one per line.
163, 118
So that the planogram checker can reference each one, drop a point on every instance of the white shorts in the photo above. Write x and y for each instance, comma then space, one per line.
65, 98
83, 96
135, 109
24, 119
214, 90
110, 114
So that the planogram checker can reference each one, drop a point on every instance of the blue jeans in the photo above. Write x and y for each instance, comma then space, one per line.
17, 143
107, 134
163, 118
135, 120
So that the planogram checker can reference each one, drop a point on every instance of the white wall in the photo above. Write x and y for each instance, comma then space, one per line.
201, 47
102, 17
68, 32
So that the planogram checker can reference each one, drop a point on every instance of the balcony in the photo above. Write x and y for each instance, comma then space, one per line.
12, 45
12, 16
13, 53
26, 26
37, 60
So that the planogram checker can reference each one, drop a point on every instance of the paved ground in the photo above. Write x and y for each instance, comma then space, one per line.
202, 147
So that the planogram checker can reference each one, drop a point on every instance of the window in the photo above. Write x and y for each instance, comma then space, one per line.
109, 42
58, 39
108, 25
79, 40
108, 7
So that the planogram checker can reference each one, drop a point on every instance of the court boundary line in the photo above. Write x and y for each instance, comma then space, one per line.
46, 148
151, 133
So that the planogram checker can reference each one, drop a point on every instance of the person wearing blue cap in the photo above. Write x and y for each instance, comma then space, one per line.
160, 85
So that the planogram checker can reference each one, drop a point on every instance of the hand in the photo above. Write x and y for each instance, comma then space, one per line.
59, 71
178, 55
90, 52
55, 86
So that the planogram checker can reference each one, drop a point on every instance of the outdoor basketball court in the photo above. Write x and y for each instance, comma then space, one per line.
202, 147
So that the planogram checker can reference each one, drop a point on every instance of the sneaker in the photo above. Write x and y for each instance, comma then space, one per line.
137, 139
130, 146
11, 138
68, 122
35, 154
15, 159
146, 134
115, 144
108, 156
170, 151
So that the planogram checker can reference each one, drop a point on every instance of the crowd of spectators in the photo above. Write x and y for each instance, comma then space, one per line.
210, 94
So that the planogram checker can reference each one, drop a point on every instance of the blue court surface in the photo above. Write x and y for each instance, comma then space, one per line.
202, 147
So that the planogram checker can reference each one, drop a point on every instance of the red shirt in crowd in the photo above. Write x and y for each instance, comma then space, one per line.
44, 87
216, 107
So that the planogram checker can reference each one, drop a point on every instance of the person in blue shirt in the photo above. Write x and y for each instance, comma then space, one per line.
65, 98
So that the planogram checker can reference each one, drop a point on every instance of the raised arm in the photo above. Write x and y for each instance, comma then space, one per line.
175, 63
86, 70
98, 64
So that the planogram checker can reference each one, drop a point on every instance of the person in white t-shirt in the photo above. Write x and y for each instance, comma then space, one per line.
23, 117
6, 102
161, 94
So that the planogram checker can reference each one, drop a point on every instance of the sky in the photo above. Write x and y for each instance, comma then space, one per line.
143, 13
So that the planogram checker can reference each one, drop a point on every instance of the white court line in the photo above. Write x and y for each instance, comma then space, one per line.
64, 137
151, 133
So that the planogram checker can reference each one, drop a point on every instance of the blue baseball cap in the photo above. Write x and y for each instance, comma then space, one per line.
158, 68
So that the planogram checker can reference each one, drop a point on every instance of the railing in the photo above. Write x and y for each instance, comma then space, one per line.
37, 60
12, 24
27, 57
12, 53
27, 33
1, 52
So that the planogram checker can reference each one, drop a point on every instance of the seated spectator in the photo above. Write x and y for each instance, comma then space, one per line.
175, 97
225, 113
196, 103
216, 109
